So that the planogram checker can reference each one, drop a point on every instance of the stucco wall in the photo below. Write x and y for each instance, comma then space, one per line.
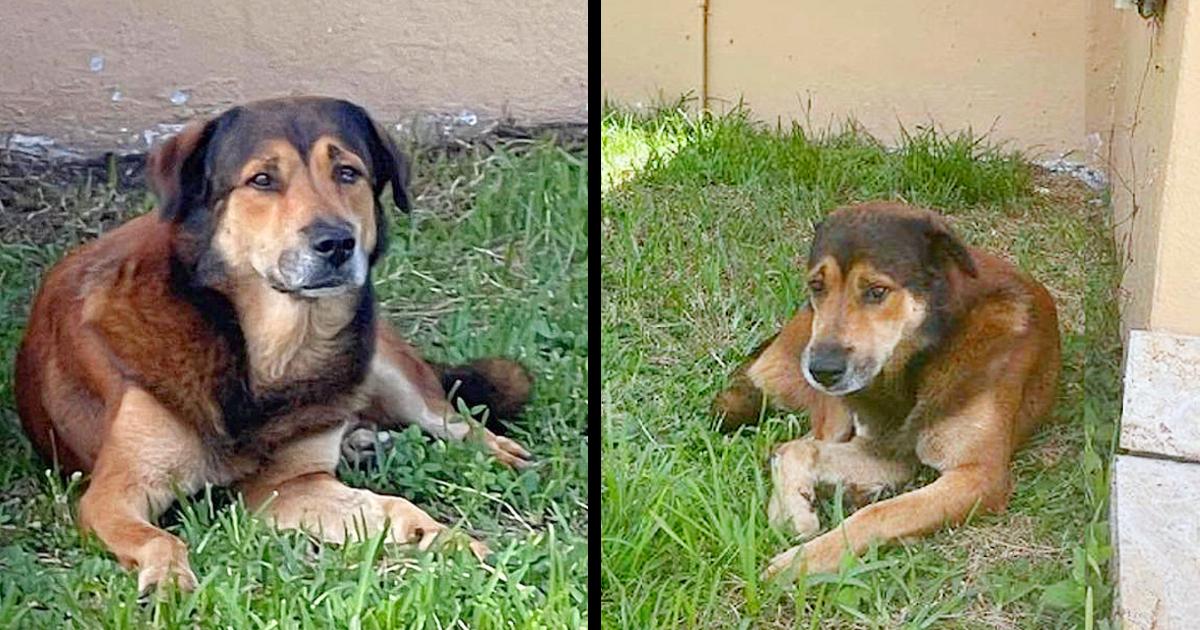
108, 73
1144, 91
651, 52
1016, 68
1101, 85
1156, 190
1176, 305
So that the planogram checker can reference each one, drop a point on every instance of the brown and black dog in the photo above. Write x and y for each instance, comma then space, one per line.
231, 338
913, 349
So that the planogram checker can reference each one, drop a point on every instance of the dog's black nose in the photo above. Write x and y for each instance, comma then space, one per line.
332, 241
827, 366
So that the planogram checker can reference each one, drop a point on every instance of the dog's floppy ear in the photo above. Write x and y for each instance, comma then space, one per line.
390, 166
176, 170
815, 244
948, 248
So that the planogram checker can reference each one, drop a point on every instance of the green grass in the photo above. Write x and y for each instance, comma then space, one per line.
493, 261
705, 221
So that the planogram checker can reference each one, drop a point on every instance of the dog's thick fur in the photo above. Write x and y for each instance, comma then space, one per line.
913, 349
231, 338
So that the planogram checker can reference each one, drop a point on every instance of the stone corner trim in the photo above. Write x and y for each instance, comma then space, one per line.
1156, 532
1161, 410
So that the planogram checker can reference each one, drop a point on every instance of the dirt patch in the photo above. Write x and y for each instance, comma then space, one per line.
1053, 449
988, 546
42, 201
1014, 538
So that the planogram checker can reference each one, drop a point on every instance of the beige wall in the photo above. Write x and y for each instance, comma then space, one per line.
651, 52
1082, 78
524, 59
1016, 67
1156, 167
1143, 97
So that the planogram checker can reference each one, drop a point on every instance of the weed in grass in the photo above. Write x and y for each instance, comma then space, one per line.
704, 222
493, 260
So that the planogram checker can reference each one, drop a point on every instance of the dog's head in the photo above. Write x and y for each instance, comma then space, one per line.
282, 192
878, 278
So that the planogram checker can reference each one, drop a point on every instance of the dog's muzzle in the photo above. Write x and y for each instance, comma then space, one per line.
331, 264
830, 368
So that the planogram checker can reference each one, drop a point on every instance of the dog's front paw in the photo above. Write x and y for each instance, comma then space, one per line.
820, 555
166, 562
794, 515
365, 445
785, 565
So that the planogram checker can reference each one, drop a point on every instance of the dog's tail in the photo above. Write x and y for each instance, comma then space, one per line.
502, 385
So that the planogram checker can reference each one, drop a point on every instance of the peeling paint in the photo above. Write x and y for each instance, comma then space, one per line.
41, 146
22, 140
150, 136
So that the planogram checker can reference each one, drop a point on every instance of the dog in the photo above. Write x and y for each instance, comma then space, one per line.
230, 337
913, 349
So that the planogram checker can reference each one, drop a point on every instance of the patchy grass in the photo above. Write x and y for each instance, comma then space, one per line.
492, 261
704, 223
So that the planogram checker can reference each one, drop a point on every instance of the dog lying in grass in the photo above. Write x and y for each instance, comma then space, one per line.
913, 349
230, 338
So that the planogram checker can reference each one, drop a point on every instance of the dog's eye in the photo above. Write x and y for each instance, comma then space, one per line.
875, 294
262, 181
816, 286
348, 174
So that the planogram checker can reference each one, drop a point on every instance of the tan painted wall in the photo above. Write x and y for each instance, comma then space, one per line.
524, 59
1115, 90
650, 52
1016, 67
1144, 102
1177, 281
1157, 151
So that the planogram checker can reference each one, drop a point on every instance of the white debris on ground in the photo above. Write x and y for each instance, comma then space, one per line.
1094, 178
35, 146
